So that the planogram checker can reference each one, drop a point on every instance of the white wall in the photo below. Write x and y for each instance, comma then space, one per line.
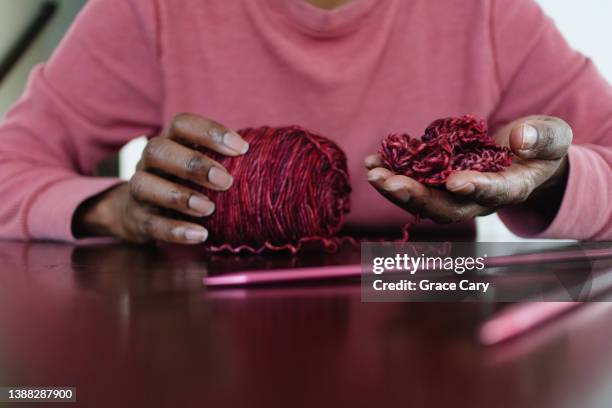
587, 26
14, 17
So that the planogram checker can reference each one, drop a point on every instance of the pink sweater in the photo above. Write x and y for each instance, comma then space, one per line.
353, 74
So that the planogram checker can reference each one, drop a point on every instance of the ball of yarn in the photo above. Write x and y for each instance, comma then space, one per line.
448, 145
291, 188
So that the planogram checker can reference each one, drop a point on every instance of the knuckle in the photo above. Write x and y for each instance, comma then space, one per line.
179, 124
458, 214
496, 193
498, 200
152, 148
487, 195
147, 225
546, 137
505, 195
494, 199
177, 198
523, 193
462, 214
136, 184
194, 164
155, 228
554, 139
564, 135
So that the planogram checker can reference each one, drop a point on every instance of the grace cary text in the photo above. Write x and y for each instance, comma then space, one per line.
426, 285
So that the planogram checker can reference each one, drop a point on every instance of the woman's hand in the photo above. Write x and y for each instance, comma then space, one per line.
537, 177
133, 211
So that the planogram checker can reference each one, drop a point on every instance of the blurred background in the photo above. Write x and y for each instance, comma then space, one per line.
30, 30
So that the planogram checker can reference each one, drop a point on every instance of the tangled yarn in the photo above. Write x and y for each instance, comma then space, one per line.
448, 145
290, 188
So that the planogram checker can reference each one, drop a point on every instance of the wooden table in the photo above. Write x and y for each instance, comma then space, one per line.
133, 326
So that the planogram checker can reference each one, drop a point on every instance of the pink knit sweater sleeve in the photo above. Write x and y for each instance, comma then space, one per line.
100, 88
540, 74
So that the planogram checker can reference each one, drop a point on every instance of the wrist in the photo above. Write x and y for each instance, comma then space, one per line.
547, 198
95, 217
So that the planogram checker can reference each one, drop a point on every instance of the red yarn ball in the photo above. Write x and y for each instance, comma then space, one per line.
291, 188
448, 145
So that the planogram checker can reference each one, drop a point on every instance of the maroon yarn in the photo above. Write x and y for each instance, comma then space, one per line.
448, 145
291, 188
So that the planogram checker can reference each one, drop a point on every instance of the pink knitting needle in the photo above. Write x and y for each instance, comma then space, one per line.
345, 271
285, 275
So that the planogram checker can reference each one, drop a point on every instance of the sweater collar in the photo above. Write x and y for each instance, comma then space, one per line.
318, 22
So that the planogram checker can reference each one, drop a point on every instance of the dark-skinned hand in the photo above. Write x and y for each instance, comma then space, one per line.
138, 211
537, 176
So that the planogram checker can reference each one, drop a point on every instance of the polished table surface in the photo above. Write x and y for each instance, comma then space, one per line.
134, 326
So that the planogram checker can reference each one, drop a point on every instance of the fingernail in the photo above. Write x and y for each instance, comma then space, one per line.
235, 142
196, 235
465, 188
399, 191
220, 177
530, 137
201, 205
191, 234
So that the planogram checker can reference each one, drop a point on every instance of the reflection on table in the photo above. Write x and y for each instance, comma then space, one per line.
134, 326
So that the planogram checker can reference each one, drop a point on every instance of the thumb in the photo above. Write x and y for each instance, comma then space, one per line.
541, 137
